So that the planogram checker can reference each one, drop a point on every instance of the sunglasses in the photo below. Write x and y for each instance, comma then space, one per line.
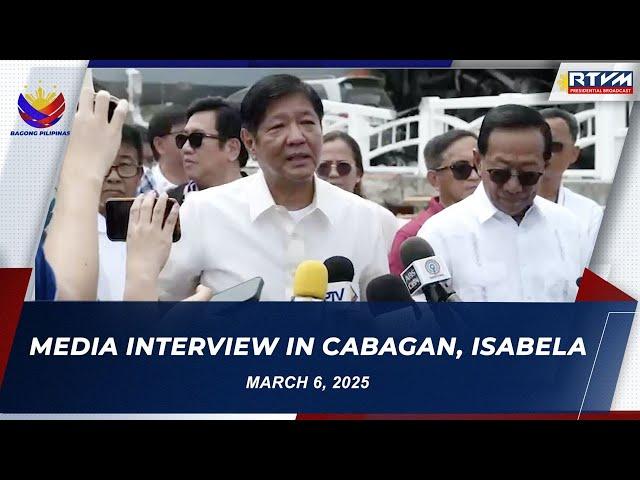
343, 169
501, 176
195, 139
461, 170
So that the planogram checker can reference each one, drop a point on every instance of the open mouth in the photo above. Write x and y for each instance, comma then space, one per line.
298, 157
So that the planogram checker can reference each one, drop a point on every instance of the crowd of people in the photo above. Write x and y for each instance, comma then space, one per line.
502, 221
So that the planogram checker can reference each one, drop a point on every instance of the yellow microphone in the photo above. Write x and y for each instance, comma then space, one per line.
310, 282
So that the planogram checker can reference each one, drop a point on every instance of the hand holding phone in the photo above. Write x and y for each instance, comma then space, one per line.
119, 220
151, 226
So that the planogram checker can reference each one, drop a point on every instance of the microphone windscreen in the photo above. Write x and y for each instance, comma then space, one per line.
384, 290
340, 269
310, 280
415, 248
387, 288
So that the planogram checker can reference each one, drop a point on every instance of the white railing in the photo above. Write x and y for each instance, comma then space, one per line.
378, 133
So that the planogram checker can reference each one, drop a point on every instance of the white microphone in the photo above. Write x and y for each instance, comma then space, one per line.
425, 273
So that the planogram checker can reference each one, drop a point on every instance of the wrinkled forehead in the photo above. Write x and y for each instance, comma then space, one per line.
293, 105
203, 121
519, 146
127, 154
461, 149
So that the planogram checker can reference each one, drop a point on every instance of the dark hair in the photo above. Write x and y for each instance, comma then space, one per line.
355, 151
435, 147
514, 117
270, 88
144, 133
228, 122
162, 123
131, 136
569, 119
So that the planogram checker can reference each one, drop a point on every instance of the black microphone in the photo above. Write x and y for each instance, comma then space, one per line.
425, 272
385, 289
391, 304
341, 275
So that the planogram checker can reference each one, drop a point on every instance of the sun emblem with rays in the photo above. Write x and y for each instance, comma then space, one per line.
563, 81
41, 98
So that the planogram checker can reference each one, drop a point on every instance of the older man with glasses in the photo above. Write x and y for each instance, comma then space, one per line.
449, 159
564, 153
120, 181
503, 242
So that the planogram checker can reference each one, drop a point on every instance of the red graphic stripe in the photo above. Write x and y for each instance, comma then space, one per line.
13, 287
618, 415
26, 116
596, 289
53, 106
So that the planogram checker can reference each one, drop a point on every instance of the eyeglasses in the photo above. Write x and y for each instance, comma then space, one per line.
501, 176
124, 170
557, 147
343, 169
461, 170
195, 139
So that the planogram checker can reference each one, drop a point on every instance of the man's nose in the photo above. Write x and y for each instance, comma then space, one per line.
112, 176
294, 134
513, 185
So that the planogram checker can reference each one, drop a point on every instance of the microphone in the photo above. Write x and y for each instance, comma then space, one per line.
425, 272
391, 304
341, 275
385, 289
310, 282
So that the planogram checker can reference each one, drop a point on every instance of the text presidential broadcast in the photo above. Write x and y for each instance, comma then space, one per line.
297, 346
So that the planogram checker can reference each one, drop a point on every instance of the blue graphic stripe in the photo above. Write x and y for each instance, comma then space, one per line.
26, 107
546, 378
292, 63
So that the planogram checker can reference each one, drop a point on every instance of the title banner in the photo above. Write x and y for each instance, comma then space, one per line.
316, 358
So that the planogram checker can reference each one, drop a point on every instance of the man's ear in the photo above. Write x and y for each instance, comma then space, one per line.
157, 144
232, 147
576, 154
432, 178
477, 159
249, 142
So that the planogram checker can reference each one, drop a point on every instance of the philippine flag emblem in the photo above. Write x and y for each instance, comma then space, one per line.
42, 109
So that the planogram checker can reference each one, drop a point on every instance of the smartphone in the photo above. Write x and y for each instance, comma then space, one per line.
118, 218
245, 292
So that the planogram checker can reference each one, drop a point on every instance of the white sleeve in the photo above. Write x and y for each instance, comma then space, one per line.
181, 274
